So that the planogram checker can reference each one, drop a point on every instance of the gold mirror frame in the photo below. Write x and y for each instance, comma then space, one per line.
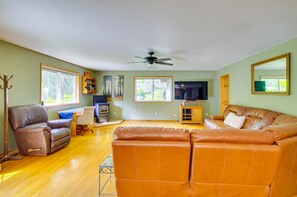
257, 65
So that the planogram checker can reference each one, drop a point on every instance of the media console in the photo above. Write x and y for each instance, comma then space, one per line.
190, 114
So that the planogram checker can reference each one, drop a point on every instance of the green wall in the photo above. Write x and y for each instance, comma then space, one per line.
128, 109
24, 65
240, 81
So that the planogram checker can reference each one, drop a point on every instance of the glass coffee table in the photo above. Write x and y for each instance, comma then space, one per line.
106, 178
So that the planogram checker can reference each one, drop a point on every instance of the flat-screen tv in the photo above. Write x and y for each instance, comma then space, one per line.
99, 99
191, 90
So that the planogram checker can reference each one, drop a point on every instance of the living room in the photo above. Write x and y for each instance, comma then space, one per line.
19, 58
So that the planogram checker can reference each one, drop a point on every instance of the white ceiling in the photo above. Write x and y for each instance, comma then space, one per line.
106, 34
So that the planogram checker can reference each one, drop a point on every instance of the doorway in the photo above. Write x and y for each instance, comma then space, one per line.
224, 93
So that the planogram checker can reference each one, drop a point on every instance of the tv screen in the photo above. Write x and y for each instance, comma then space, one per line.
99, 99
191, 90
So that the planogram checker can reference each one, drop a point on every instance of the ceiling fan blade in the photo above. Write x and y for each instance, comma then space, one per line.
164, 59
164, 63
140, 57
136, 62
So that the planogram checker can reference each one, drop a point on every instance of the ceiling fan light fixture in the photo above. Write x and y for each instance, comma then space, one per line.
150, 60
151, 67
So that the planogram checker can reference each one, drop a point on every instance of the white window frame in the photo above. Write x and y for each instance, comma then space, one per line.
154, 78
60, 71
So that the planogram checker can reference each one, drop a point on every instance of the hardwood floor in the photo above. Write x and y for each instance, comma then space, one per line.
71, 171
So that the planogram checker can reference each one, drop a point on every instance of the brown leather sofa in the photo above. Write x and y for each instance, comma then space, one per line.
255, 118
221, 162
34, 134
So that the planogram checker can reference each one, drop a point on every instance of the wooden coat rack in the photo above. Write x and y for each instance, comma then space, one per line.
6, 87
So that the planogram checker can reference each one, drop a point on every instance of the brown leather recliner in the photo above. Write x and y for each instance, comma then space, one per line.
34, 134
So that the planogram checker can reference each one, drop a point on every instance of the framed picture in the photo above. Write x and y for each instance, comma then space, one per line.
118, 87
107, 81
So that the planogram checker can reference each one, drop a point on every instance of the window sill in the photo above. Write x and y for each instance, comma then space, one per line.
60, 105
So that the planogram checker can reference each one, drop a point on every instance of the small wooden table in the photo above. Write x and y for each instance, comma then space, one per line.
71, 114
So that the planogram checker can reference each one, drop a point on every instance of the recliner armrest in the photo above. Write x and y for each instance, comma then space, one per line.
59, 123
35, 129
33, 140
216, 117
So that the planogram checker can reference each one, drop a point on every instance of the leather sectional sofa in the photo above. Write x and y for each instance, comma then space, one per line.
255, 118
226, 162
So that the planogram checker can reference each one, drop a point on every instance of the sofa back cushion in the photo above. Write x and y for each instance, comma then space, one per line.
284, 119
258, 118
21, 116
148, 164
236, 109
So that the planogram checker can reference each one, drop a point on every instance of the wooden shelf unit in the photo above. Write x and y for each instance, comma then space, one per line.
190, 114
88, 84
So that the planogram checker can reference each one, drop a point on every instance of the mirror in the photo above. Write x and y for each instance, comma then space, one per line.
271, 76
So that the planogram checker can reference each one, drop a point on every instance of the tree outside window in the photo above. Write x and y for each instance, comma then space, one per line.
58, 87
153, 89
275, 84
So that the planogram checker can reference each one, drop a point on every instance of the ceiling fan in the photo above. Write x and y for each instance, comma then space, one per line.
153, 60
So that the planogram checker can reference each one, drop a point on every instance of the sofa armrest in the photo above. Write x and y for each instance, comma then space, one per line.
216, 117
282, 131
59, 123
239, 136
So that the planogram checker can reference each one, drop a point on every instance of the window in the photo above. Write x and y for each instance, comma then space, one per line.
275, 83
58, 87
153, 89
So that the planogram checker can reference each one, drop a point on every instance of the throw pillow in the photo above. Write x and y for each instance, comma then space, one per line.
234, 121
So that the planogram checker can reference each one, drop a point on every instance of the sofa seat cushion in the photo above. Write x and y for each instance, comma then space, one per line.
57, 134
213, 124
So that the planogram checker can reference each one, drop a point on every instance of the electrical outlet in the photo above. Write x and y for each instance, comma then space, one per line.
156, 113
169, 116
174, 115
